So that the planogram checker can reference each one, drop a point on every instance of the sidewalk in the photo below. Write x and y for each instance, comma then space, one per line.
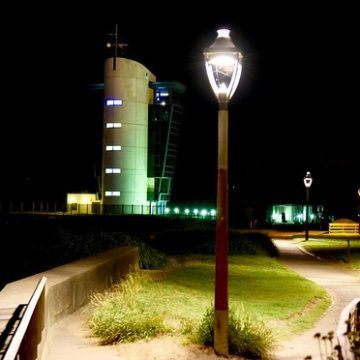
342, 284
68, 339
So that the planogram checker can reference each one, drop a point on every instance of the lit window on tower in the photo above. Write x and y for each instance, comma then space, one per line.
113, 102
162, 97
112, 171
113, 125
112, 193
113, 147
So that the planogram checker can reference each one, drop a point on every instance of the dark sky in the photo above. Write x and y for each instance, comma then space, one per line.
295, 110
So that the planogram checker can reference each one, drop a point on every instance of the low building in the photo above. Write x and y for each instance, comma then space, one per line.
82, 204
293, 214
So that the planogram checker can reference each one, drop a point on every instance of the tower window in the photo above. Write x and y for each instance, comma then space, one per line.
113, 102
113, 147
113, 125
162, 97
112, 171
112, 193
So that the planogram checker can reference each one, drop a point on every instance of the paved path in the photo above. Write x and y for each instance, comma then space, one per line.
69, 339
342, 284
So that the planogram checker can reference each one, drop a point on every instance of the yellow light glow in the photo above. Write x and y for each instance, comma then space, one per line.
71, 200
85, 200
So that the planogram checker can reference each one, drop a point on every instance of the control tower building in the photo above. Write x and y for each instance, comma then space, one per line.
127, 96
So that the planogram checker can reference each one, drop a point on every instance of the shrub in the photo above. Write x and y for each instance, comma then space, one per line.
117, 316
354, 339
151, 258
201, 240
331, 351
247, 338
175, 242
251, 243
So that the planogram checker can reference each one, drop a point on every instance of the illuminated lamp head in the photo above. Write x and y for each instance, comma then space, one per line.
223, 62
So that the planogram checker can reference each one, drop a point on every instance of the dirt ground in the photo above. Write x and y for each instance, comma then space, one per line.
70, 338
166, 348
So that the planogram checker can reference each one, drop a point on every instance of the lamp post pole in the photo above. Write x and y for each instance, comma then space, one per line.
307, 182
221, 249
223, 66
307, 215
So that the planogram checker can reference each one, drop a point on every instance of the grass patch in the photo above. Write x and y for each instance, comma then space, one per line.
178, 297
121, 315
335, 249
289, 302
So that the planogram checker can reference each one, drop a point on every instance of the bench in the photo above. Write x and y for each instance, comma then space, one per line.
343, 228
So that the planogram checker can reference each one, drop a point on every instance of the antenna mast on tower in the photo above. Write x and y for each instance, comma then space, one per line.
116, 45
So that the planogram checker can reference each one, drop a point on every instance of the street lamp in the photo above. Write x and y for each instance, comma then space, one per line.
223, 67
307, 182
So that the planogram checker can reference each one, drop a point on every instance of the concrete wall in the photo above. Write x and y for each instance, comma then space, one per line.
69, 286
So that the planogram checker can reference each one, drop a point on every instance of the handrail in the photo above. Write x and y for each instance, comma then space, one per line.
16, 346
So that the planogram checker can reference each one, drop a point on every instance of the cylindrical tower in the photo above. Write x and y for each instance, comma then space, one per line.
125, 136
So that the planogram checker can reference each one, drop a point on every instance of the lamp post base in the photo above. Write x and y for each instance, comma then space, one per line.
221, 338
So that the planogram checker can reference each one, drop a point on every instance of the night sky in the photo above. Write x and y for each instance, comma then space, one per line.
296, 108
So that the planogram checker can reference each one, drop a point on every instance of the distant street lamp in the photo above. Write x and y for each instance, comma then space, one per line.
307, 182
223, 67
